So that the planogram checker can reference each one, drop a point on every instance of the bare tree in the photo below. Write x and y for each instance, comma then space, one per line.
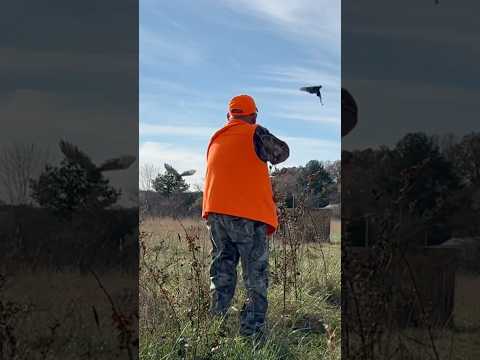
467, 158
148, 173
18, 164
334, 169
197, 187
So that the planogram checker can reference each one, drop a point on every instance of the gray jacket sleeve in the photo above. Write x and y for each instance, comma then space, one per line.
268, 147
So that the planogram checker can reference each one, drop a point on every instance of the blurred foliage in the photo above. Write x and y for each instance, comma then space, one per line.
71, 187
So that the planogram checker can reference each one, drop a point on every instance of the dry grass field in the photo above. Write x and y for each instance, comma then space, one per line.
65, 315
461, 341
304, 299
458, 340
304, 314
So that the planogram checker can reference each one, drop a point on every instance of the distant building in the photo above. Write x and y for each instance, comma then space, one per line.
335, 223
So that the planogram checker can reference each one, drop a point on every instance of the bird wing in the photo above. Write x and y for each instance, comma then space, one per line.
188, 173
308, 89
119, 163
311, 89
73, 154
319, 94
170, 169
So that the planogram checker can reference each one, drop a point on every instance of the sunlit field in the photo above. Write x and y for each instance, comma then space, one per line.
304, 298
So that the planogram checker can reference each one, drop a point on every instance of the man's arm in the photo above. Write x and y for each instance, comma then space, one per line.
270, 148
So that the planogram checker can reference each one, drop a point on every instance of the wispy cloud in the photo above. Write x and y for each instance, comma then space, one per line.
302, 75
155, 48
305, 18
158, 86
309, 117
147, 129
311, 142
275, 91
303, 149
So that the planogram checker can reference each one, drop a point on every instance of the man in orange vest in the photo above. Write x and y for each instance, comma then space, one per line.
240, 210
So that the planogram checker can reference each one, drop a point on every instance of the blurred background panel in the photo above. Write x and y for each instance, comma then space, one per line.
410, 195
69, 179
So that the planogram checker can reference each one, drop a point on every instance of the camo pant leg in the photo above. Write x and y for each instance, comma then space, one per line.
250, 238
223, 268
253, 250
235, 238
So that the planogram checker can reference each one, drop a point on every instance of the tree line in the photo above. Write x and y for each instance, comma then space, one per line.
422, 182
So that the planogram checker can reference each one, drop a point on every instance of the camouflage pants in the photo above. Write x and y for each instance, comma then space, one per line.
235, 239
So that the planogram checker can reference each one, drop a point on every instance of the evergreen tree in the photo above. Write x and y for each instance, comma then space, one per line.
171, 182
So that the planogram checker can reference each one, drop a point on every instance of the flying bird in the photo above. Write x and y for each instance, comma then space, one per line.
75, 155
313, 90
171, 170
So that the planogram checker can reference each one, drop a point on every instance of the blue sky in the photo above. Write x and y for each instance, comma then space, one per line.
195, 56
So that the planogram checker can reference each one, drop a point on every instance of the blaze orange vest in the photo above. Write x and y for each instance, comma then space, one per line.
237, 182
